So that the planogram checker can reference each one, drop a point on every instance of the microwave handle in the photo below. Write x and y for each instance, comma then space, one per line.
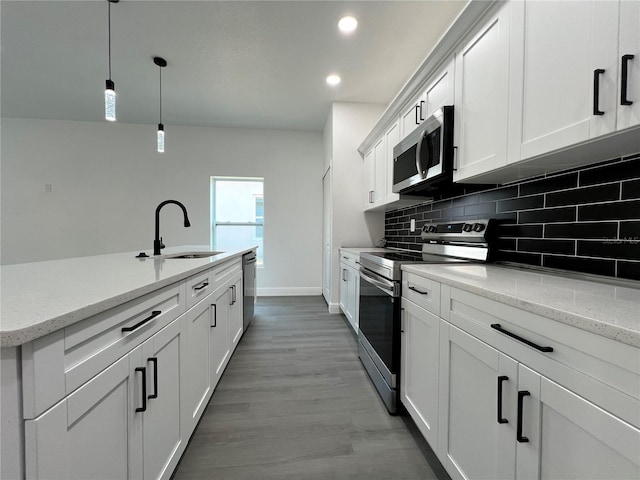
418, 150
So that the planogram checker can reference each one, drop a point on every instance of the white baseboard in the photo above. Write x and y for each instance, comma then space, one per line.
289, 291
334, 308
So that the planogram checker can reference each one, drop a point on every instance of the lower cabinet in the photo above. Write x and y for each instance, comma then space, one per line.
219, 332
349, 289
235, 311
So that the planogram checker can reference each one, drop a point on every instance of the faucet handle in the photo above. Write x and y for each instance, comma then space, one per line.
161, 244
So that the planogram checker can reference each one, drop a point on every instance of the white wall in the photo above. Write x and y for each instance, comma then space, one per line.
106, 181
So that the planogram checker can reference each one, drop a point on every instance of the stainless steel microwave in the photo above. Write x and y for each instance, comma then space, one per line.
423, 161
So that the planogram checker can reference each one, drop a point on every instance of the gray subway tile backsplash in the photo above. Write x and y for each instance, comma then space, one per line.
584, 220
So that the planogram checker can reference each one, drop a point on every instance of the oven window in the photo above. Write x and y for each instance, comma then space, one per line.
378, 314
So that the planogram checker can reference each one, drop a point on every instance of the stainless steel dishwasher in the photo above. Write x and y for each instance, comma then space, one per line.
249, 287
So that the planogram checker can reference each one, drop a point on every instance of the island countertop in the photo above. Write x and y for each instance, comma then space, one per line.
609, 310
42, 297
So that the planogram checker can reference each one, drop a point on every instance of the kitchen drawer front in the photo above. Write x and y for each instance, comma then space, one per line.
57, 364
223, 273
602, 370
199, 286
350, 259
421, 291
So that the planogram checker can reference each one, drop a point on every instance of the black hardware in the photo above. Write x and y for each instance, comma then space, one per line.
596, 91
157, 243
233, 295
501, 379
215, 315
519, 436
154, 360
421, 104
416, 108
153, 315
142, 255
623, 87
455, 162
143, 408
520, 339
203, 285
418, 291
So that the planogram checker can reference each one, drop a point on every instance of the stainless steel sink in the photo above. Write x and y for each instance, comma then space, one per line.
191, 255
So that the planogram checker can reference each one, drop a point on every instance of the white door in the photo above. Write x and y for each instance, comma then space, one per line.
94, 433
197, 381
326, 235
473, 444
481, 97
557, 71
629, 114
219, 333
235, 312
570, 438
419, 369
162, 425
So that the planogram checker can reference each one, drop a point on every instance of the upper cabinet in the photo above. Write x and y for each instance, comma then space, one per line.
482, 97
629, 56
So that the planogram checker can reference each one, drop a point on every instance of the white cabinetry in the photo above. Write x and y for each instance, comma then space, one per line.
349, 287
482, 97
629, 56
220, 337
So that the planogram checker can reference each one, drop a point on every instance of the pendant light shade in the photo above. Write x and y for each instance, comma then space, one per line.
110, 89
160, 62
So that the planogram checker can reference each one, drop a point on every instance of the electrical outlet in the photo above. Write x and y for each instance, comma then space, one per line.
413, 225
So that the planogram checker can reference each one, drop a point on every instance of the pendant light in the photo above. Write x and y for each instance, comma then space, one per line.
161, 62
110, 90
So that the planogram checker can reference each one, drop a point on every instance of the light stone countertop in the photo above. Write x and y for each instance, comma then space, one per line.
359, 250
42, 297
609, 310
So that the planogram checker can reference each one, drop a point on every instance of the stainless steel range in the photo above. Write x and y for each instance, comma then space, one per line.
380, 282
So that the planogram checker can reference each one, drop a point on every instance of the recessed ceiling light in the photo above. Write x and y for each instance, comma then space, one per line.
333, 80
347, 24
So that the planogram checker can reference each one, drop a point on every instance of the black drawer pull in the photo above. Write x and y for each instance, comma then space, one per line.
519, 436
596, 91
202, 285
418, 291
520, 339
215, 315
143, 408
422, 103
501, 379
417, 107
154, 360
624, 79
153, 315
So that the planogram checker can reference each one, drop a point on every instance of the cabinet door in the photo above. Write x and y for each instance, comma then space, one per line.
94, 433
162, 423
197, 380
413, 115
392, 138
629, 115
219, 337
482, 94
352, 277
440, 91
419, 369
562, 46
344, 288
571, 438
381, 171
369, 178
235, 313
472, 443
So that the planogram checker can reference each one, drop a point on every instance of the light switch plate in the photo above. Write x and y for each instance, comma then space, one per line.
413, 225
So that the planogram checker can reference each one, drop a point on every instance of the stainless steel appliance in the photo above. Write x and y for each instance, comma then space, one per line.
380, 292
423, 161
249, 288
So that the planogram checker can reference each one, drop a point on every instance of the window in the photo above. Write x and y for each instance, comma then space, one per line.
237, 214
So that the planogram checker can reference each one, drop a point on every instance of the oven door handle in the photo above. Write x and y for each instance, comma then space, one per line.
386, 285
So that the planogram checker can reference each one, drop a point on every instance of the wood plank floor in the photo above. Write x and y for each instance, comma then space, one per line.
296, 403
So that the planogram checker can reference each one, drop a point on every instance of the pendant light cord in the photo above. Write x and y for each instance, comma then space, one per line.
160, 68
109, 25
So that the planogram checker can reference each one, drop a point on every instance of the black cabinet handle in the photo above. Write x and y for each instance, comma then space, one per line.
153, 315
417, 107
497, 326
154, 360
624, 78
215, 315
418, 291
501, 379
143, 408
422, 102
596, 91
203, 285
519, 436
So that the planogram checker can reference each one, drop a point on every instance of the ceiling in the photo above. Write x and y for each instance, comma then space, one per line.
255, 64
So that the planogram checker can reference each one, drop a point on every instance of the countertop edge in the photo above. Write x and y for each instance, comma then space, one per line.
20, 336
613, 332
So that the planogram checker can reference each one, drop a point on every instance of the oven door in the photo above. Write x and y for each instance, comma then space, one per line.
379, 333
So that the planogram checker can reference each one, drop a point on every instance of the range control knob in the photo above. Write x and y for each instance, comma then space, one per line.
432, 229
467, 227
478, 227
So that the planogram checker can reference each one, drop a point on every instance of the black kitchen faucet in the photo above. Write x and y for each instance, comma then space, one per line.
157, 243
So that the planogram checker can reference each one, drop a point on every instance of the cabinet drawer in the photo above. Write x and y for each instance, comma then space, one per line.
421, 291
597, 368
199, 286
57, 364
350, 259
222, 273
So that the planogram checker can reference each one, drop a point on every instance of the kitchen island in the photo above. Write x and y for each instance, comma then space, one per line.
81, 336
